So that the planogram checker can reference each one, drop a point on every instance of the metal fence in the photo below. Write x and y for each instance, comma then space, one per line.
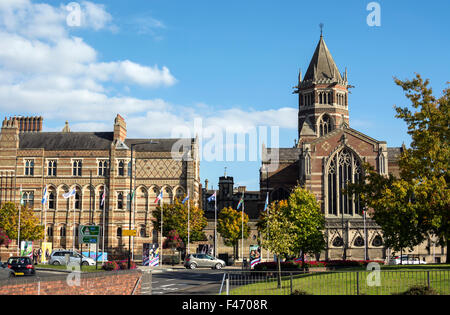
377, 282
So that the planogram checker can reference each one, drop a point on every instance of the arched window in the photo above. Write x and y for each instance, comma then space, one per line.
120, 200
345, 167
51, 200
62, 231
77, 201
325, 125
121, 169
119, 232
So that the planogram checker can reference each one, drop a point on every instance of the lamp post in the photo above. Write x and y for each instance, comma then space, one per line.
132, 195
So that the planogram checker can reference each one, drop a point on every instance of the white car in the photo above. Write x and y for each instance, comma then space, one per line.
60, 256
407, 260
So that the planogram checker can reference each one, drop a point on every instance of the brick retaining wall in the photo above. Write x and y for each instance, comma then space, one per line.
100, 283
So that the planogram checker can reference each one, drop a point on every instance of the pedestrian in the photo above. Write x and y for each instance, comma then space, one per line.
40, 255
35, 256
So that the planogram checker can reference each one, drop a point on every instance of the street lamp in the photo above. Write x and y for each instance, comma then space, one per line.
131, 195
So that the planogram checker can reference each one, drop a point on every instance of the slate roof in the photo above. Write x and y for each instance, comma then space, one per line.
286, 154
323, 64
54, 141
394, 153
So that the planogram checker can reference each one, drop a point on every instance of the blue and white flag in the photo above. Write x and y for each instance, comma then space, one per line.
267, 202
160, 197
44, 197
185, 199
70, 193
212, 198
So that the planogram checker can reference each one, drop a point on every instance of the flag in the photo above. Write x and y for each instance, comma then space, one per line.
103, 198
44, 198
21, 195
185, 199
240, 202
160, 197
212, 197
70, 193
267, 202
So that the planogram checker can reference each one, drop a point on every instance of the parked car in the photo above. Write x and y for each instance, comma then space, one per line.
407, 260
202, 260
58, 257
21, 266
5, 272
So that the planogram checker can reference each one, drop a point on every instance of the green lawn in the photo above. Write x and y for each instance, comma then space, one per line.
344, 283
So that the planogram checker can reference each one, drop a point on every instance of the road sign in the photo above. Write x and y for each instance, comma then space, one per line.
128, 232
89, 234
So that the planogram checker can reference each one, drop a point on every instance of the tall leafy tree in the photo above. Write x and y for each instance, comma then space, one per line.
426, 164
229, 225
278, 232
30, 228
416, 204
175, 217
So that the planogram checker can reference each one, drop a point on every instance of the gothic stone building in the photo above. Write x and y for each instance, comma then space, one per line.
89, 162
329, 154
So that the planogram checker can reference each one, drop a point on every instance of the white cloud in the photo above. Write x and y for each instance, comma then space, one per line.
46, 71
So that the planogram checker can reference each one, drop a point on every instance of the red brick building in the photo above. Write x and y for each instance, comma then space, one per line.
328, 155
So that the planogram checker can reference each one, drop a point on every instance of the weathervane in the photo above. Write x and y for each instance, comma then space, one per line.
321, 28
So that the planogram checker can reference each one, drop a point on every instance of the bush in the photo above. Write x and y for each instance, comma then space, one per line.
110, 265
419, 290
273, 266
118, 265
298, 292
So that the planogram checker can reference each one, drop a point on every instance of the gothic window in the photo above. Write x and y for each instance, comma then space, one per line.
120, 201
50, 230
28, 199
320, 98
121, 168
100, 198
325, 125
51, 170
77, 201
377, 241
102, 167
76, 168
382, 162
51, 200
119, 232
338, 242
142, 232
29, 167
345, 167
62, 231
359, 242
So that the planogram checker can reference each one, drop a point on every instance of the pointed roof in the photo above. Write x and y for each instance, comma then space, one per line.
322, 65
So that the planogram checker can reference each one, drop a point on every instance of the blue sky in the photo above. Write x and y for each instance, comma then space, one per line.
162, 64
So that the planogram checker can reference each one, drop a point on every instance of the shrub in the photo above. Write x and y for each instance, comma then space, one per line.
419, 290
110, 265
298, 292
273, 266
123, 264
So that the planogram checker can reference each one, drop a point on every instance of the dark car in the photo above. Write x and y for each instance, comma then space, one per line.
22, 266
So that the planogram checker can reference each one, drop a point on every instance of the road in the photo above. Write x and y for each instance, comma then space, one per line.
185, 281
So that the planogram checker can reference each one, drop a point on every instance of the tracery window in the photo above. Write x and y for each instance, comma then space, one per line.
325, 125
345, 167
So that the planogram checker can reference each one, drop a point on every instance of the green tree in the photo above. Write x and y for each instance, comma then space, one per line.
175, 217
416, 204
303, 210
426, 164
30, 228
229, 225
278, 232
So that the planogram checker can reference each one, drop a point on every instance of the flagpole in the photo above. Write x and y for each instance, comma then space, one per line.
103, 233
161, 250
242, 227
189, 224
215, 225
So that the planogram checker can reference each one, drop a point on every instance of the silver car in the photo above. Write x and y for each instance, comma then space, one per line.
5, 272
63, 257
202, 260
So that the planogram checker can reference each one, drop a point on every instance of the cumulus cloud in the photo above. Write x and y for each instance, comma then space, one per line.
45, 70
